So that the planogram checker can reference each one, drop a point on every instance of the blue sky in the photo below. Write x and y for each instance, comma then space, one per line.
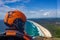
32, 8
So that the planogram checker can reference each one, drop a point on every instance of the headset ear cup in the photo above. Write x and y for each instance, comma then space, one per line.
6, 24
19, 24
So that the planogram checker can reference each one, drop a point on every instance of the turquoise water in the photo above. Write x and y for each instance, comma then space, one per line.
31, 29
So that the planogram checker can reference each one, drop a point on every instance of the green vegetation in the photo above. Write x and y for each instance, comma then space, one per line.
55, 29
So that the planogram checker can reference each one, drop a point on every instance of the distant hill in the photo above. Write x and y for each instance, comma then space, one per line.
43, 21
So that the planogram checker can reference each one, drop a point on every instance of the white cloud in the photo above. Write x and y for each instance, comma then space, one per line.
46, 14
42, 14
50, 13
32, 12
26, 1
10, 1
4, 8
58, 13
1, 2
41, 10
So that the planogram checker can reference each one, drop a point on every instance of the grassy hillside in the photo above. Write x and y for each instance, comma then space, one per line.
54, 29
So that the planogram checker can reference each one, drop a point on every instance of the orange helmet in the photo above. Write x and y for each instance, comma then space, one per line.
11, 16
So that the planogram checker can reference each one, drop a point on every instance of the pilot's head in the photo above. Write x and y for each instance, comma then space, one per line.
15, 19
